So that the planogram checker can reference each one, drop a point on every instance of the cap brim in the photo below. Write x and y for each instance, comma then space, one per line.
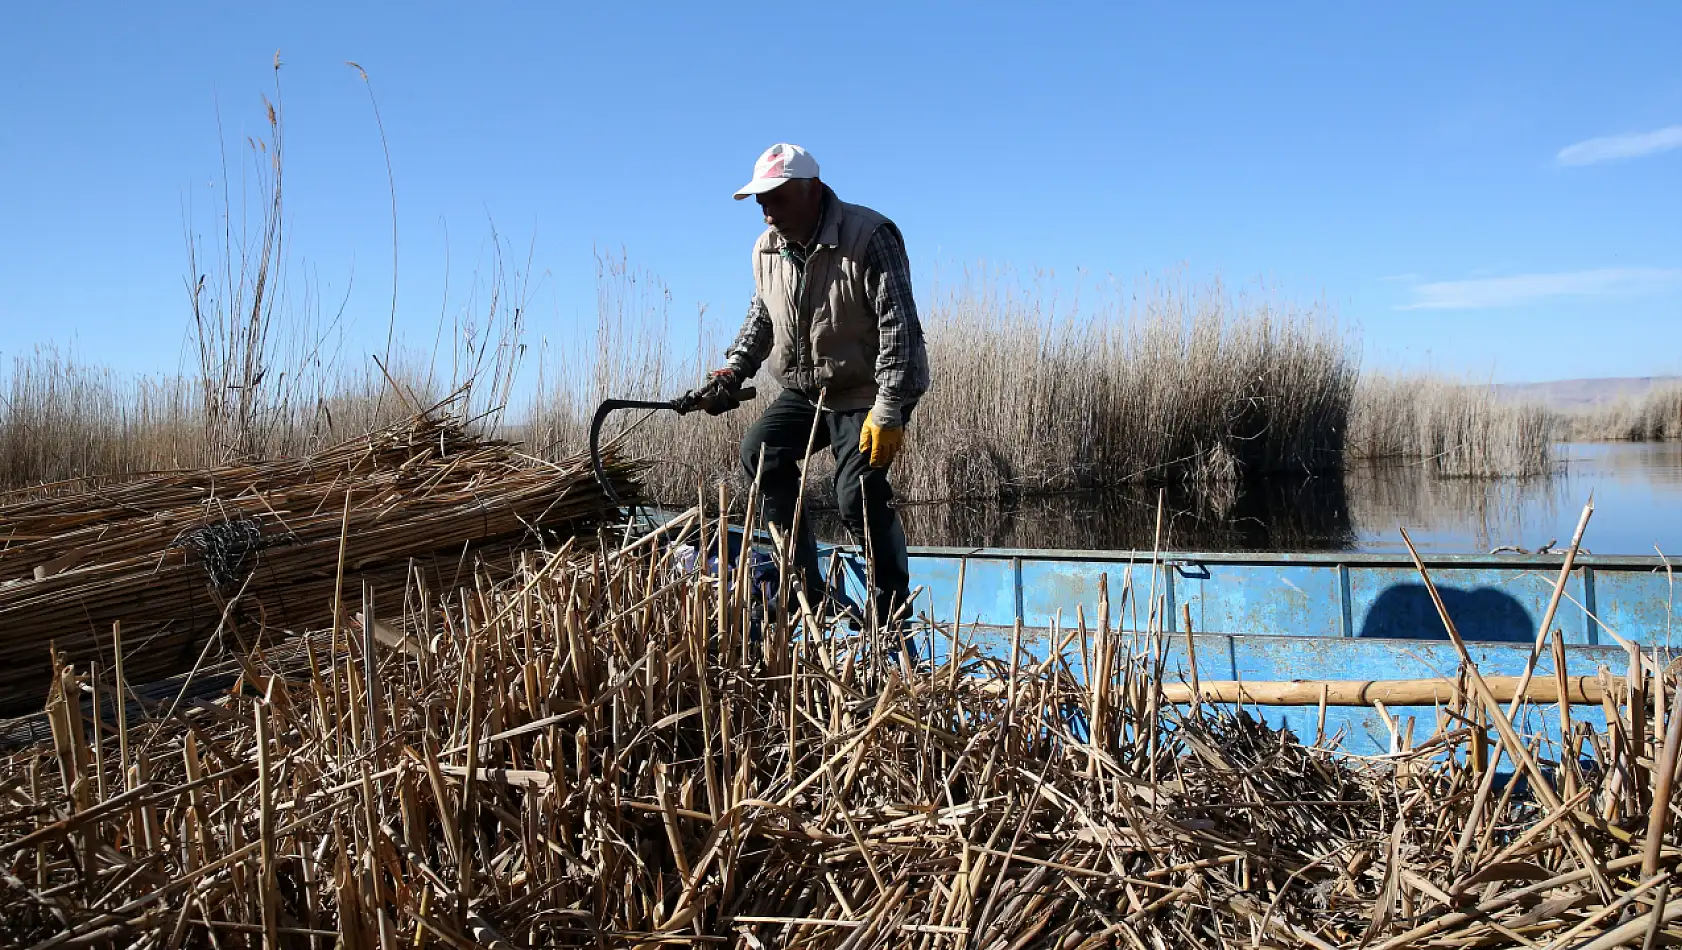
760, 186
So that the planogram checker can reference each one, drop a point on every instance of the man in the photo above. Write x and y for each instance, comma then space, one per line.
832, 309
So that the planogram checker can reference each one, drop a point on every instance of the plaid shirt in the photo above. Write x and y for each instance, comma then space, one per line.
902, 363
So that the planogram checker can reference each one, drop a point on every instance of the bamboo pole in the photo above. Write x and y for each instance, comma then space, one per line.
1579, 691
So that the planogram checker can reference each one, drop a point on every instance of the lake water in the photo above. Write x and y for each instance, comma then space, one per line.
1637, 491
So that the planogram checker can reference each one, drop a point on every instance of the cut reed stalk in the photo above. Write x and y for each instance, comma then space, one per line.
590, 752
168, 553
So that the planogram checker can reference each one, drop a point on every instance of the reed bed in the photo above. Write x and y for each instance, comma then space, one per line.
266, 376
176, 563
64, 422
63, 419
1655, 416
1163, 383
1457, 430
1174, 384
603, 749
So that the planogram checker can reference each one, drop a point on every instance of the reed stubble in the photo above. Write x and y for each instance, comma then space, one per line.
598, 750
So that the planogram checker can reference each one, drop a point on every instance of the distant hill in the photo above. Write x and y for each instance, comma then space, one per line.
1582, 393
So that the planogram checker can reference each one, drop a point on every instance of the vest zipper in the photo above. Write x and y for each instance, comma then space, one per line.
803, 321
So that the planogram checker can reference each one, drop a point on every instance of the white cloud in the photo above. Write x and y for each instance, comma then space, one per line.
1530, 288
1614, 147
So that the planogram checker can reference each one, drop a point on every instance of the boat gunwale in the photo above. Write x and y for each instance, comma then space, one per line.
1552, 560
1264, 558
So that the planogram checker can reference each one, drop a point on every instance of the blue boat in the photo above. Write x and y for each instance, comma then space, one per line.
1325, 616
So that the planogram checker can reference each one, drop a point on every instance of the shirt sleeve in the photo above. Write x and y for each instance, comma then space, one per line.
902, 366
753, 341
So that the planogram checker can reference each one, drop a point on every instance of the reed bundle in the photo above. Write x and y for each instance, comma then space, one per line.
240, 552
605, 750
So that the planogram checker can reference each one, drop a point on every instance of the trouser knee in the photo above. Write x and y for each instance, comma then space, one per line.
855, 506
749, 456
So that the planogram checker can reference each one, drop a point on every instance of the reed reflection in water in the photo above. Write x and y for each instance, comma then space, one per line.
1637, 490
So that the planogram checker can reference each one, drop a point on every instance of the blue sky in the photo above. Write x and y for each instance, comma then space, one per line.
1489, 189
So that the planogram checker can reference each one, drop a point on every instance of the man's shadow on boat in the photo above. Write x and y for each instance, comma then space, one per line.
1406, 611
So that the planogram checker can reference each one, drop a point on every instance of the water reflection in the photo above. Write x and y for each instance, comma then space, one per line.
1465, 515
1297, 514
1637, 489
1309, 514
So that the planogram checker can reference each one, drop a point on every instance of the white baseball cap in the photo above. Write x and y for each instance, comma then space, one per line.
780, 163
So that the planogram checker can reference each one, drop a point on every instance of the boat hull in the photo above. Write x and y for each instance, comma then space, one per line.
1282, 617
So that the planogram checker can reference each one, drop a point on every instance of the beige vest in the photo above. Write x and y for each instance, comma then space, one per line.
824, 320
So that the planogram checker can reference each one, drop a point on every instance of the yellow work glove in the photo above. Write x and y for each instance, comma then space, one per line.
881, 436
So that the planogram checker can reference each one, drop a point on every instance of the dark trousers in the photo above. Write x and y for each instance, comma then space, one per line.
862, 492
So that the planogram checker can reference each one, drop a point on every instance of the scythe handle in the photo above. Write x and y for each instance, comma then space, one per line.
610, 405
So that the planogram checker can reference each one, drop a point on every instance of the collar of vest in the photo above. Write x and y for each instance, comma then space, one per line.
829, 226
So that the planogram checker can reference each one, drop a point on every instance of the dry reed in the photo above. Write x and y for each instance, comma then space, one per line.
1178, 385
603, 750
1457, 430
1187, 388
1169, 383
239, 554
61, 419
267, 377
1655, 416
